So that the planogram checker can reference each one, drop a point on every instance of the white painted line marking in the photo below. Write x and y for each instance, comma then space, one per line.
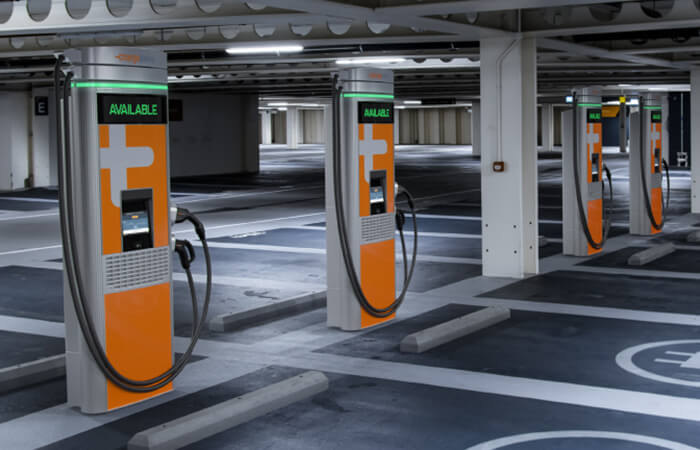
580, 434
7, 219
255, 222
625, 359
27, 250
320, 251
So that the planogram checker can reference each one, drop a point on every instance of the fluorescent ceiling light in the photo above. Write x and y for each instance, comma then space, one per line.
278, 104
282, 109
264, 49
412, 102
624, 85
371, 60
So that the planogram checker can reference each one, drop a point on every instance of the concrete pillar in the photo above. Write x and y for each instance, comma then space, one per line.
397, 131
623, 127
449, 126
695, 140
432, 124
665, 129
266, 125
476, 128
509, 135
44, 162
14, 139
292, 127
547, 127
421, 127
464, 127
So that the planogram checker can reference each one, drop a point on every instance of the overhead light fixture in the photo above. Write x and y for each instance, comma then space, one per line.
412, 102
264, 49
569, 99
371, 60
282, 109
278, 104
623, 85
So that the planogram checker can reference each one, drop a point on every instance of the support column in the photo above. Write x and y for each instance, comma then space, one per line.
266, 125
292, 127
476, 128
421, 127
44, 168
14, 139
509, 135
623, 127
397, 132
665, 150
547, 127
449, 126
695, 140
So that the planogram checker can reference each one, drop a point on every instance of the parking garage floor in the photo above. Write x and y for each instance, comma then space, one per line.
596, 354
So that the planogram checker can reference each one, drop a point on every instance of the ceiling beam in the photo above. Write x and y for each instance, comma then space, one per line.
480, 6
587, 50
353, 12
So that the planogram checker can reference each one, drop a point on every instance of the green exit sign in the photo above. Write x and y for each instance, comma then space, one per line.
656, 117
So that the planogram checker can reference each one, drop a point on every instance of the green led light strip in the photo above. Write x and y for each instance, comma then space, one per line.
362, 95
652, 107
590, 105
107, 84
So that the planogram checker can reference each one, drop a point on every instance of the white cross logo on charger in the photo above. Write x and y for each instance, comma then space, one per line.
370, 147
117, 158
655, 136
691, 361
592, 138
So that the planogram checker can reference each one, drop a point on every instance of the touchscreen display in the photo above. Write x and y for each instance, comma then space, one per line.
376, 194
135, 222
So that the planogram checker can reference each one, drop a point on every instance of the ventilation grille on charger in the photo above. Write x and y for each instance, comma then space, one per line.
377, 228
134, 269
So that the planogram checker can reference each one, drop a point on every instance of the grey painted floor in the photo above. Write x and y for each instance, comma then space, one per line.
596, 355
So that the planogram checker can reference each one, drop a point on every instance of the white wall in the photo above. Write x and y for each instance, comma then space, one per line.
312, 123
435, 126
279, 128
14, 139
219, 134
43, 143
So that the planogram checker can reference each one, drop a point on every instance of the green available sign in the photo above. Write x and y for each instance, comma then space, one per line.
127, 109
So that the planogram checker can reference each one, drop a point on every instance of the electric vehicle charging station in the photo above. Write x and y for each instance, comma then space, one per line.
586, 223
647, 205
361, 197
115, 221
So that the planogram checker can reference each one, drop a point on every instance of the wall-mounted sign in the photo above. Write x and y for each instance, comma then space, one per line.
41, 106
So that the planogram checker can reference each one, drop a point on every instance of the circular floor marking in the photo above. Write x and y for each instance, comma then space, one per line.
573, 434
625, 359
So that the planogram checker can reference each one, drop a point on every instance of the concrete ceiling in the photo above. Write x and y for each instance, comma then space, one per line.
580, 41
